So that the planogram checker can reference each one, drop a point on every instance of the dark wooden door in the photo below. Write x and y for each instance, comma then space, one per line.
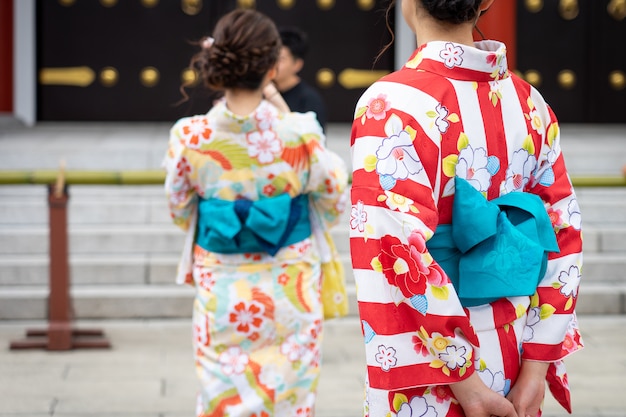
562, 49
123, 60
608, 61
119, 60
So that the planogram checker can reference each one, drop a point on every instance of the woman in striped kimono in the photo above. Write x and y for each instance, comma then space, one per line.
465, 230
251, 182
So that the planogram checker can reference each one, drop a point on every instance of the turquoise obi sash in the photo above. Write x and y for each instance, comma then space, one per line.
245, 226
494, 249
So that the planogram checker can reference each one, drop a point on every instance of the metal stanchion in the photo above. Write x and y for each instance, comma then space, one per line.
60, 334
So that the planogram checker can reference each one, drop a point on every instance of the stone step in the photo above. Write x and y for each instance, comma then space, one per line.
175, 301
167, 239
151, 270
147, 205
135, 269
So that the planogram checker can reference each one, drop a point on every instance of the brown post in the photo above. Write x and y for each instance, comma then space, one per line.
59, 301
60, 334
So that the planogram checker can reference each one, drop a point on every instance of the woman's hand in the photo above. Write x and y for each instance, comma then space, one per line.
530, 388
272, 95
478, 400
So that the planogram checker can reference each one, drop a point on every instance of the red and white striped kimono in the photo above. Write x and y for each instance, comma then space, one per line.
454, 111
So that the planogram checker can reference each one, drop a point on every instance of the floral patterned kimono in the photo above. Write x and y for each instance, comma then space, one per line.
455, 116
257, 318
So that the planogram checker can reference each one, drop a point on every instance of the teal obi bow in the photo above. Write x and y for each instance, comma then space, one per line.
496, 248
245, 226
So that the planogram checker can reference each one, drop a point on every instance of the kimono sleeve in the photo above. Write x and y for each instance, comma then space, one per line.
327, 177
416, 331
180, 193
551, 331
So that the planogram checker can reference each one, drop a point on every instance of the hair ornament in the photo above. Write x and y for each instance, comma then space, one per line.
207, 42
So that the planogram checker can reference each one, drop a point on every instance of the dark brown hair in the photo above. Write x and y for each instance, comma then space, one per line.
453, 11
450, 11
246, 46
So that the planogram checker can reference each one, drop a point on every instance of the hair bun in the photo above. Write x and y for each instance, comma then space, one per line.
453, 11
246, 46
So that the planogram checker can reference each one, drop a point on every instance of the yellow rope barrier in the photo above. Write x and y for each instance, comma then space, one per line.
154, 177
146, 177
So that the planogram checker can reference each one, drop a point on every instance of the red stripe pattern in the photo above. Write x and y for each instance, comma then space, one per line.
454, 110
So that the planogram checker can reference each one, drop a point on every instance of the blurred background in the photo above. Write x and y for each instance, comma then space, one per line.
124, 60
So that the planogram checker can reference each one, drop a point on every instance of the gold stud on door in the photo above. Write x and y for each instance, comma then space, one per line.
534, 6
533, 77
149, 77
566, 79
617, 9
109, 76
617, 80
568, 9
191, 7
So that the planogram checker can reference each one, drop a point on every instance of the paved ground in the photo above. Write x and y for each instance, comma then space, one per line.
148, 372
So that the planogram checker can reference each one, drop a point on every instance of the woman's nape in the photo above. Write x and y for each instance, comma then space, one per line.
442, 20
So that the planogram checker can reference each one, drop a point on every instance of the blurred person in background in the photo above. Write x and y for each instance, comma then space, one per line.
299, 95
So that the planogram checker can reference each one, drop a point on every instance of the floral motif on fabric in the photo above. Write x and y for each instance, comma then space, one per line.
551, 148
386, 357
264, 145
248, 318
452, 55
418, 406
495, 92
233, 360
498, 62
397, 157
441, 393
358, 216
519, 172
574, 214
570, 281
442, 117
266, 117
532, 319
398, 202
196, 132
407, 267
494, 380
473, 165
376, 108
292, 349
448, 355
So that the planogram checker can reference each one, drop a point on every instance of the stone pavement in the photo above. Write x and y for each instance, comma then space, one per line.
149, 372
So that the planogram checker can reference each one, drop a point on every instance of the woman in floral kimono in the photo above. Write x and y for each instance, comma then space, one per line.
465, 230
250, 183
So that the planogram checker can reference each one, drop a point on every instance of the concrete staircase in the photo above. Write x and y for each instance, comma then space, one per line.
124, 249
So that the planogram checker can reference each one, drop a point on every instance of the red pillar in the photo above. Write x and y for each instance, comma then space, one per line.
6, 56
499, 23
